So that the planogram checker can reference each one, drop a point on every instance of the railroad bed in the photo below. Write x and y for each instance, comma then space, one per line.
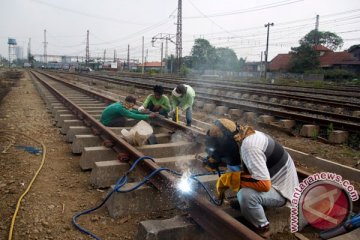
77, 113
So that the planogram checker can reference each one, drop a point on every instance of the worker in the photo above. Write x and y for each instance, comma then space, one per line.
116, 114
183, 97
157, 102
262, 172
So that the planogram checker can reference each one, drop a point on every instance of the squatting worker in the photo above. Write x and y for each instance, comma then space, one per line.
263, 174
157, 102
183, 96
115, 115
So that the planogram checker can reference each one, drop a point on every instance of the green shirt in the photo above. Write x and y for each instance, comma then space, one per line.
185, 101
163, 102
117, 110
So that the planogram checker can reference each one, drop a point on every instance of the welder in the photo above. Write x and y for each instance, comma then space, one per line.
260, 170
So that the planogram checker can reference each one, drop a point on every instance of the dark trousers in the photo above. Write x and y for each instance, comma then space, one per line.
161, 111
117, 122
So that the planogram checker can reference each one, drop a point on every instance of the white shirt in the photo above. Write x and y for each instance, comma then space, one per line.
252, 153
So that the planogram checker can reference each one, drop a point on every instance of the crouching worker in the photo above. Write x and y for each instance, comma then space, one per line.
116, 114
183, 96
156, 102
262, 173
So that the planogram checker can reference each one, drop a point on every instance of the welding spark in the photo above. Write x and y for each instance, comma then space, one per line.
185, 182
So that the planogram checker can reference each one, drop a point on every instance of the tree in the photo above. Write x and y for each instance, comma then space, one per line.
327, 39
303, 58
203, 55
226, 59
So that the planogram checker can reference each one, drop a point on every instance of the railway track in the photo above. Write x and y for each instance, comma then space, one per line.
325, 113
77, 110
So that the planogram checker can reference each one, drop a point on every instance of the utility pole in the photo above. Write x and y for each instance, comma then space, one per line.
128, 57
45, 51
267, 47
316, 40
87, 52
114, 55
29, 51
161, 60
104, 55
142, 56
179, 36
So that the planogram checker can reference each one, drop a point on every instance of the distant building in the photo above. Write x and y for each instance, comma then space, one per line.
19, 52
253, 67
328, 60
153, 66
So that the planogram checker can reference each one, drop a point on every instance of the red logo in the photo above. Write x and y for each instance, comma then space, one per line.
325, 205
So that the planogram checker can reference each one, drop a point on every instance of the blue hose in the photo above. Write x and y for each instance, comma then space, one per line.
123, 180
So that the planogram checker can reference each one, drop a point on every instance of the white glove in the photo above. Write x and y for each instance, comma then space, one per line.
141, 109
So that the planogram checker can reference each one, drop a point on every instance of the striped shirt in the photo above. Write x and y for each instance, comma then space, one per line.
252, 152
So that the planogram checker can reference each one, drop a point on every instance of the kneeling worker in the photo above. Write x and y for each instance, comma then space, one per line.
157, 102
115, 115
261, 171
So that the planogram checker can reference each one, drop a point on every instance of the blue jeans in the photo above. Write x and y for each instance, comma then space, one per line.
188, 116
252, 203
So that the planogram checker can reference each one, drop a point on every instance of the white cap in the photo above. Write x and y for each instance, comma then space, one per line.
176, 94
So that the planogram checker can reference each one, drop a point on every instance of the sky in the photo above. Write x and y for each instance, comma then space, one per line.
115, 24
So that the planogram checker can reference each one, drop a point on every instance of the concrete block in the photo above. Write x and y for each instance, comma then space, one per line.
266, 119
309, 105
295, 103
254, 97
235, 95
355, 113
169, 149
59, 108
106, 173
235, 112
323, 108
250, 116
338, 136
209, 107
142, 200
199, 104
264, 98
63, 117
284, 102
76, 130
90, 155
245, 96
287, 123
81, 141
338, 110
67, 123
309, 131
221, 110
61, 112
178, 227
273, 100
180, 163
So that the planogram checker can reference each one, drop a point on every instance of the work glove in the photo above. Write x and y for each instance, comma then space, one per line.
228, 180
